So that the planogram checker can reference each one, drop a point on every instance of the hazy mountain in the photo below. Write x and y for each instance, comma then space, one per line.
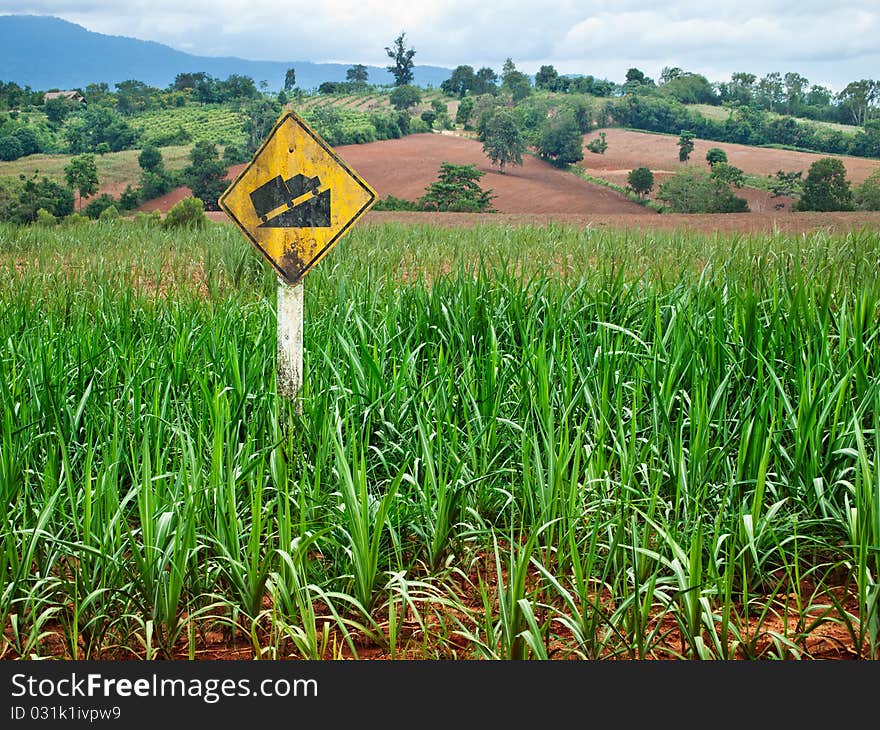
47, 53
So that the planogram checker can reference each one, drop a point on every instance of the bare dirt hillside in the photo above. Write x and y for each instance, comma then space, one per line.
538, 193
627, 150
404, 167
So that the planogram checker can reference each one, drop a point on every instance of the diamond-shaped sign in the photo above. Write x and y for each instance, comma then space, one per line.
296, 198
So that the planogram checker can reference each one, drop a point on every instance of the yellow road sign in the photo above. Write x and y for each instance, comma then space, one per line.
296, 198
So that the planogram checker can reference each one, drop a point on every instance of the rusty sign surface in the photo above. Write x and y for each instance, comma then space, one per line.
296, 198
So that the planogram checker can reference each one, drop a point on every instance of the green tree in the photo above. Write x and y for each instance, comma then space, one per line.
99, 124
460, 82
547, 78
637, 77
715, 155
485, 81
867, 195
458, 190
289, 79
206, 174
405, 97
858, 98
640, 181
515, 82
58, 109
685, 145
261, 116
464, 111
826, 187
357, 75
154, 181
503, 142
560, 140
81, 175
48, 194
795, 84
150, 159
787, 184
402, 68
485, 107
728, 174
10, 148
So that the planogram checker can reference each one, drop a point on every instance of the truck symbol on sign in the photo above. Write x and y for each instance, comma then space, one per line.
298, 202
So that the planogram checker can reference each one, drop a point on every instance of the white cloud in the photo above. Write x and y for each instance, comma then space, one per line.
829, 43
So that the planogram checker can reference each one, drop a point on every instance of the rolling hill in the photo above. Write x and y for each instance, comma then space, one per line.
46, 53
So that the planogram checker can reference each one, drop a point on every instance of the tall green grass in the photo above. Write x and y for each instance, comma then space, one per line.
530, 442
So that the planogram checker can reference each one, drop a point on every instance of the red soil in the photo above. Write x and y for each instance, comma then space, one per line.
538, 193
404, 167
627, 150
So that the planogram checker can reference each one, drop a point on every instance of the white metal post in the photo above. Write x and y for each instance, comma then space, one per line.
290, 340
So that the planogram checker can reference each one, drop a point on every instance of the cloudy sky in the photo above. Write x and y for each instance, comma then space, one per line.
831, 43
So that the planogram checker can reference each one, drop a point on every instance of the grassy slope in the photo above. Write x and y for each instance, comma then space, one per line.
114, 168
720, 113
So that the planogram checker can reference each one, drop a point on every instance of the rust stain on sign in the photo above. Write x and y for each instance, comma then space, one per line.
296, 198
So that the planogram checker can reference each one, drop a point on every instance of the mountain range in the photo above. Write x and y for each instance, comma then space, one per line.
45, 53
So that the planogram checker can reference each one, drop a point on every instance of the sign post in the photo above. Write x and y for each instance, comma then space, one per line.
293, 202
289, 374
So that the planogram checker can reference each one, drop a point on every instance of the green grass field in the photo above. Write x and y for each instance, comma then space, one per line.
720, 113
533, 442
114, 168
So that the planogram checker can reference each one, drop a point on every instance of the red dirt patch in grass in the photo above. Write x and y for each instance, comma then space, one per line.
627, 150
405, 167
538, 193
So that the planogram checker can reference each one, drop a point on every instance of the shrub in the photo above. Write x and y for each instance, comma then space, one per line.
45, 193
598, 145
28, 139
188, 213
45, 218
458, 190
153, 185
394, 203
152, 219
10, 148
97, 206
695, 191
715, 155
110, 213
75, 219
418, 126
130, 198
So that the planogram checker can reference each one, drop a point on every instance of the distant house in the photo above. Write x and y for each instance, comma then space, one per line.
72, 95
